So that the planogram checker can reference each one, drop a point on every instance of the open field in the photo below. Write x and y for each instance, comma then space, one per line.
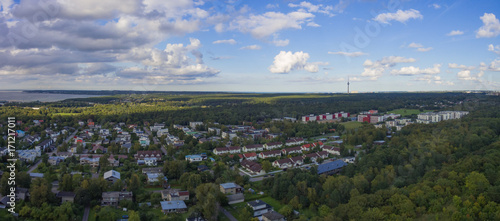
352, 124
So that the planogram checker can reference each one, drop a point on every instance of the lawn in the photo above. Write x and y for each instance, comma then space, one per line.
272, 202
407, 112
352, 124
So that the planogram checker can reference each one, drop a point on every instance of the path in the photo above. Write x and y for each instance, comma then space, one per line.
229, 215
86, 214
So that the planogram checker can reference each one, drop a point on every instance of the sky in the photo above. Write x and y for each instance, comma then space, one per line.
250, 46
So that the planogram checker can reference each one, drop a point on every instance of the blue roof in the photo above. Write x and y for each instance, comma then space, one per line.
228, 185
326, 167
175, 204
39, 175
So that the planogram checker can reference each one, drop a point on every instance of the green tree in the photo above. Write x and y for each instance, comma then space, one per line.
476, 183
134, 216
134, 183
266, 166
286, 211
67, 183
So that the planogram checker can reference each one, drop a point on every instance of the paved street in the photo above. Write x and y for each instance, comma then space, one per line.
231, 217
86, 214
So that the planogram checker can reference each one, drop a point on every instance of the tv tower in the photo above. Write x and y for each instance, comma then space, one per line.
348, 85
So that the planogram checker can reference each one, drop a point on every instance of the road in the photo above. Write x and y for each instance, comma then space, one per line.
86, 214
231, 217
50, 153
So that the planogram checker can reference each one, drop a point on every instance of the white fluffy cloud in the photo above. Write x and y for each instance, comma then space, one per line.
375, 69
455, 32
419, 47
400, 16
490, 28
495, 49
465, 72
228, 41
287, 61
251, 47
411, 70
313, 8
348, 54
264, 25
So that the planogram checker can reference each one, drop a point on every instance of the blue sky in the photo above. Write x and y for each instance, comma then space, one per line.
251, 46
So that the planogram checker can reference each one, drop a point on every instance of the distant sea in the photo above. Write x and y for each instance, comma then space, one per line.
21, 96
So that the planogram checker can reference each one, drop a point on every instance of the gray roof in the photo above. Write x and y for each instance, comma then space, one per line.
273, 215
229, 185
36, 175
112, 173
256, 203
175, 204
326, 167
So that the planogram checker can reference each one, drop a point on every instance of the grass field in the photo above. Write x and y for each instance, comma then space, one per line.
407, 112
351, 124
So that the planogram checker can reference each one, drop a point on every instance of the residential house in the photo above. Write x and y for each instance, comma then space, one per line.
297, 161
294, 141
259, 207
152, 178
234, 149
93, 162
157, 127
322, 154
113, 198
144, 141
66, 196
331, 150
194, 124
177, 206
196, 157
64, 154
253, 148
140, 155
214, 129
230, 188
3, 202
44, 144
54, 160
250, 156
174, 194
22, 193
312, 156
272, 216
253, 167
271, 153
273, 145
162, 132
112, 176
291, 150
148, 161
221, 150
331, 167
283, 163
152, 170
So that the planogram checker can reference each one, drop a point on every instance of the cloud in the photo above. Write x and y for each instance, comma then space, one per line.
490, 28
271, 6
375, 69
285, 62
495, 49
465, 72
455, 32
269, 23
415, 45
411, 70
419, 47
251, 47
436, 6
400, 16
309, 7
348, 54
430, 79
424, 49
229, 41
456, 66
